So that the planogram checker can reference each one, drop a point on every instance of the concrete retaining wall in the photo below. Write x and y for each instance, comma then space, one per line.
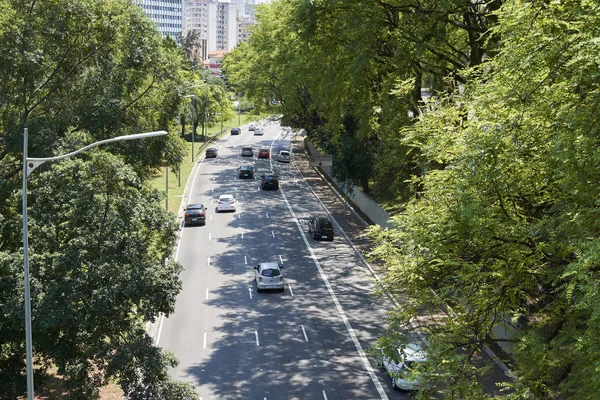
362, 201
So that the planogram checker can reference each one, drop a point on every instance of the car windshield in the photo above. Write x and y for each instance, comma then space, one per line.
270, 272
269, 178
284, 153
227, 199
195, 207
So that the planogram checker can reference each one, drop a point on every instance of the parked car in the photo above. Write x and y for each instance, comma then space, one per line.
321, 228
252, 127
268, 275
226, 203
236, 131
402, 367
259, 131
211, 152
269, 182
195, 214
284, 156
246, 171
247, 151
264, 152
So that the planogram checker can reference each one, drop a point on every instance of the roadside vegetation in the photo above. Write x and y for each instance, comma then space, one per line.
476, 124
100, 239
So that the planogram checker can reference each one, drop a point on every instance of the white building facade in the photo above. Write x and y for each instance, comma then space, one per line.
166, 14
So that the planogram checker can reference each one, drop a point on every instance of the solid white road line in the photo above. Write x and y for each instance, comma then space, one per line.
304, 332
209, 236
204, 343
280, 259
250, 292
245, 260
208, 260
324, 395
207, 294
273, 233
242, 235
291, 291
267, 215
338, 306
256, 334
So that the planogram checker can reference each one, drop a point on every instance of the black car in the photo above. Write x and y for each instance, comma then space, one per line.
212, 152
236, 131
195, 214
269, 182
246, 171
321, 228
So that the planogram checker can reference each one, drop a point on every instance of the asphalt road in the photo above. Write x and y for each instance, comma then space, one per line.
307, 342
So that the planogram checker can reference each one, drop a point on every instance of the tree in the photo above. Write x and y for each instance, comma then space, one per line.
73, 74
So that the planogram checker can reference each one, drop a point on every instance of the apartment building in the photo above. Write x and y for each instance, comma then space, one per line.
166, 14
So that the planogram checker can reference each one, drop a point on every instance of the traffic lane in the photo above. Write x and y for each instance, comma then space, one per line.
312, 275
354, 285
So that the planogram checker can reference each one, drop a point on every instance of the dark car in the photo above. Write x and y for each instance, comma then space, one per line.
246, 171
321, 228
212, 152
269, 182
236, 131
195, 214
247, 151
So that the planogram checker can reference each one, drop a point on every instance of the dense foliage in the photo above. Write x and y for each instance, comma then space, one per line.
74, 73
494, 179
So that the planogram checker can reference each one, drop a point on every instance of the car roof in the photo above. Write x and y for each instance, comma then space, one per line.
323, 220
270, 176
246, 147
193, 206
211, 148
413, 352
264, 148
284, 151
225, 195
269, 265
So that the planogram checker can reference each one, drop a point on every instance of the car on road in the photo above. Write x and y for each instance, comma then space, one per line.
264, 152
195, 214
269, 182
321, 228
259, 131
252, 127
236, 131
247, 151
402, 367
284, 156
211, 152
246, 171
226, 203
269, 275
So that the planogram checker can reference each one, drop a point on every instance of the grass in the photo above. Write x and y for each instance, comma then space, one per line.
177, 181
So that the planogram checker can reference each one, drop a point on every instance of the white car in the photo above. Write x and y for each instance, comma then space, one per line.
268, 275
402, 367
226, 203
252, 127
258, 131
284, 156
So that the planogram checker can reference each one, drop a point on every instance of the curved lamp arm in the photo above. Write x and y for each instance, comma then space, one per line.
33, 163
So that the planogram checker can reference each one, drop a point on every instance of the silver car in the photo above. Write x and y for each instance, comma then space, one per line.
403, 367
247, 151
284, 156
268, 275
226, 203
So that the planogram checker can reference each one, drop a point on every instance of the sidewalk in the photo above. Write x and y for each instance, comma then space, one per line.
354, 225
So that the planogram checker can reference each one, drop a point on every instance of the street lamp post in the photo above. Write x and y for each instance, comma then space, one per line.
29, 164
192, 113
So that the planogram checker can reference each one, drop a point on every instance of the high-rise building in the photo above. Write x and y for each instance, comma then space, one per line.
166, 14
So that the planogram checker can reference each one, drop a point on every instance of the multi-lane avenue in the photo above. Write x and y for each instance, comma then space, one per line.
309, 341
